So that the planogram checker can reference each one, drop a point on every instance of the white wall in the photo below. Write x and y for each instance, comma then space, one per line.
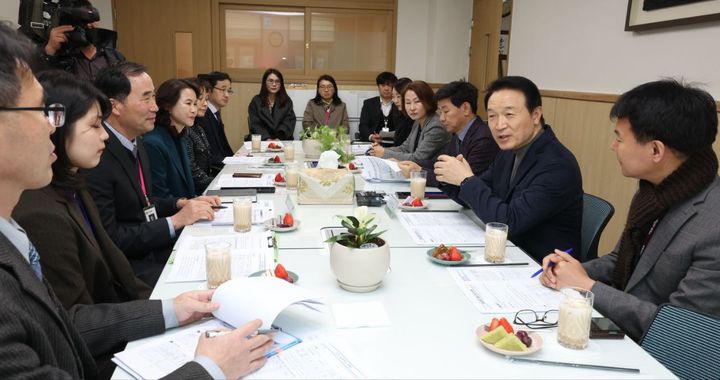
9, 11
581, 45
433, 37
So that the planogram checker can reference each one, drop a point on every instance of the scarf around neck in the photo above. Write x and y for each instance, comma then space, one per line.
650, 204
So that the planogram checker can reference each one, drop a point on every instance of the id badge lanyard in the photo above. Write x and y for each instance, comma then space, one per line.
142, 183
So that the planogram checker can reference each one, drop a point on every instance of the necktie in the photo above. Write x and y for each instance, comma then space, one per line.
219, 119
35, 261
458, 142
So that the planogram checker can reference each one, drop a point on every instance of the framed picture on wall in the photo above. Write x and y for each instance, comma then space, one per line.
504, 42
650, 14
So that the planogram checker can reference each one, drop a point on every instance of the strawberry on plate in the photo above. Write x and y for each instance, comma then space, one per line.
272, 146
454, 254
279, 178
276, 159
288, 220
352, 166
416, 202
280, 272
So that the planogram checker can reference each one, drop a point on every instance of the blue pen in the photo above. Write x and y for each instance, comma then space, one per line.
552, 264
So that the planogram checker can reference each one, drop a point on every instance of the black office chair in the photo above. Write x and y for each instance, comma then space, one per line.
596, 215
684, 341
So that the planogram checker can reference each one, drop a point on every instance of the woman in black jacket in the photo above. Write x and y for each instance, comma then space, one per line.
270, 113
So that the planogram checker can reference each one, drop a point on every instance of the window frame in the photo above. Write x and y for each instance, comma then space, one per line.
307, 7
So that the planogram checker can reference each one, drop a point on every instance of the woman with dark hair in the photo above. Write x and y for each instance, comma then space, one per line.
403, 122
427, 136
270, 113
198, 144
79, 259
167, 144
326, 108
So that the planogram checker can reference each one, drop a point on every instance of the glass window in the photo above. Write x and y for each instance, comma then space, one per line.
261, 39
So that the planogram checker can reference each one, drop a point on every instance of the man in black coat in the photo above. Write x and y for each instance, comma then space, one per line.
534, 185
212, 122
379, 113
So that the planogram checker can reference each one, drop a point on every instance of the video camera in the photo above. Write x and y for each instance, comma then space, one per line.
38, 17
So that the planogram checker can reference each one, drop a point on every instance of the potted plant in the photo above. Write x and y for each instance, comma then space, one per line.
316, 140
359, 258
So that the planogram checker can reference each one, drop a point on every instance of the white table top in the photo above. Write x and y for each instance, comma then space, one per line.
432, 332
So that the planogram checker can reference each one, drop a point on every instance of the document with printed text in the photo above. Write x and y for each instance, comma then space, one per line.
434, 228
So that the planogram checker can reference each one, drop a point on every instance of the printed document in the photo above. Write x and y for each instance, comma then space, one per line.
228, 181
251, 252
244, 160
505, 289
433, 228
261, 211
380, 170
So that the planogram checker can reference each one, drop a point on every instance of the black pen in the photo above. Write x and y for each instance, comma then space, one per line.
489, 265
218, 207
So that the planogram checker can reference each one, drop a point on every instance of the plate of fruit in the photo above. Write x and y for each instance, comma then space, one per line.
274, 161
279, 180
282, 223
279, 272
274, 147
445, 255
411, 203
499, 336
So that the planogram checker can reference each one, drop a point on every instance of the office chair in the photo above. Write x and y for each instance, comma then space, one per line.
596, 215
684, 341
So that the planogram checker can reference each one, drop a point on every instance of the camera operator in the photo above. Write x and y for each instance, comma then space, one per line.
78, 46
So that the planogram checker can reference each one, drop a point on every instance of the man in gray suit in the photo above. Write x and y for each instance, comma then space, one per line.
38, 338
669, 251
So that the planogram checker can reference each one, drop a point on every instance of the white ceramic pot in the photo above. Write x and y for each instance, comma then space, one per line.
360, 270
311, 148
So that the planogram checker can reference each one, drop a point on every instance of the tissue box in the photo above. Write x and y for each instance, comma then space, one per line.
326, 186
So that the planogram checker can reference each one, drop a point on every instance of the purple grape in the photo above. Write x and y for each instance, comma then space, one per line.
524, 337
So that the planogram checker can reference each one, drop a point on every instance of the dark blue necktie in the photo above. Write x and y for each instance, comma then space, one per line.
35, 261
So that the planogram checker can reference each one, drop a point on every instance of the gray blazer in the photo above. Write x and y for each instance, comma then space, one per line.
40, 340
680, 265
433, 138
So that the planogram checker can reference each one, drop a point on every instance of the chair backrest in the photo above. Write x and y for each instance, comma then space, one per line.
685, 342
596, 215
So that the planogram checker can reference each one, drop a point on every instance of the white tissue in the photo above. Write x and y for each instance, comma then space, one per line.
328, 160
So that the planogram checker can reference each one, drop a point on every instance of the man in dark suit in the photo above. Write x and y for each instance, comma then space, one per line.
144, 227
378, 113
534, 185
668, 251
471, 137
212, 122
38, 338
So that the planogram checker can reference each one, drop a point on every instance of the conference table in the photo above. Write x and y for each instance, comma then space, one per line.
432, 329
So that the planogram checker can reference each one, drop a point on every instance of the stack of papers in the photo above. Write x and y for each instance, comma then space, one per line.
380, 170
227, 181
434, 228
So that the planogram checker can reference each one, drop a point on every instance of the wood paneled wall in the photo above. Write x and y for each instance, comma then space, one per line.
581, 122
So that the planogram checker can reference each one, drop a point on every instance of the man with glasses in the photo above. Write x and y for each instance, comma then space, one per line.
38, 338
212, 122
669, 251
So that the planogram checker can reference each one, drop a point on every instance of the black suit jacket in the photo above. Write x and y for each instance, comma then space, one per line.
215, 132
83, 266
478, 148
278, 125
115, 187
372, 119
40, 340
542, 206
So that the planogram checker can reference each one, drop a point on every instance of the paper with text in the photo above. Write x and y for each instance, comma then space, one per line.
261, 211
434, 228
244, 160
380, 170
250, 253
504, 289
228, 181
319, 357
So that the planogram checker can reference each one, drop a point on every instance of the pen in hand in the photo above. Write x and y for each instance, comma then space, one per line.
218, 207
551, 264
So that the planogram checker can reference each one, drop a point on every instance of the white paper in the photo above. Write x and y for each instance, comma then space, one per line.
245, 299
360, 314
319, 357
228, 181
244, 160
359, 149
504, 289
249, 253
434, 228
379, 170
261, 211
158, 358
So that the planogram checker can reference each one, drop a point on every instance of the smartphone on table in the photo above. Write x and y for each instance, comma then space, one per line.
604, 328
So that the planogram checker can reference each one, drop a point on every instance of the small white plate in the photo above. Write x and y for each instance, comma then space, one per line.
274, 164
269, 224
404, 207
282, 184
356, 171
276, 150
536, 345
